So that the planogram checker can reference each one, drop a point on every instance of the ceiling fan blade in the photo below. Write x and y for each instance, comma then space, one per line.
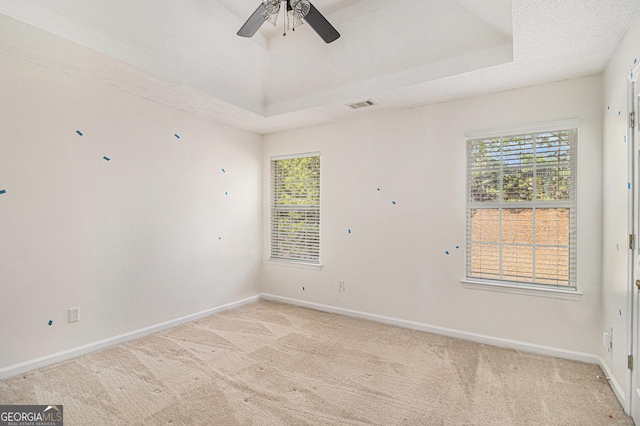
320, 25
254, 22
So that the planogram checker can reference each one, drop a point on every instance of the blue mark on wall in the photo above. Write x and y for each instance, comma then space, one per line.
224, 171
107, 158
226, 193
349, 230
50, 322
177, 136
629, 185
3, 191
447, 253
79, 132
393, 202
620, 312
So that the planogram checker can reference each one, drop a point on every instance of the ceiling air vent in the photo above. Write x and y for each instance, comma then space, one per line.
363, 104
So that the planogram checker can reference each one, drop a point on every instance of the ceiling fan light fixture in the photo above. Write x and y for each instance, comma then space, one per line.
272, 6
299, 9
270, 14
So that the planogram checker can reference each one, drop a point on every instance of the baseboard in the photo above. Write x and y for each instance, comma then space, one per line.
23, 367
14, 370
480, 338
615, 386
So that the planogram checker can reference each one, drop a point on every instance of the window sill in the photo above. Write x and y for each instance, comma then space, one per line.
302, 265
554, 293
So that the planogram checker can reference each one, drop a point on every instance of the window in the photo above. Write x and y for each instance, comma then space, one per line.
521, 205
295, 208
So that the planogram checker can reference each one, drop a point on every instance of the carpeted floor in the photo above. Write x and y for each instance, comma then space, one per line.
273, 364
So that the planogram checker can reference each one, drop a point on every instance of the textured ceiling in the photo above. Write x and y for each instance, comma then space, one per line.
398, 53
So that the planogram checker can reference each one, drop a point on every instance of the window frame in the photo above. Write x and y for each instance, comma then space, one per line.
276, 258
523, 287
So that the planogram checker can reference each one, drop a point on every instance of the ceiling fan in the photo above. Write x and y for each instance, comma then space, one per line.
295, 11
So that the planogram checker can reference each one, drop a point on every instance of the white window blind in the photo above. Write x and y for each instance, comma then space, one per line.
295, 208
521, 207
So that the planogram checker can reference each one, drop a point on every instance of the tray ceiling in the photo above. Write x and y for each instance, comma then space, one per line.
400, 54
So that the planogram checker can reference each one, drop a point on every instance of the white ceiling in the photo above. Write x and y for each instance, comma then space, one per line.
400, 53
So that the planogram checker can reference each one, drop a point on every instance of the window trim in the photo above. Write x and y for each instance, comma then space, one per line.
280, 261
570, 293
515, 287
276, 261
547, 126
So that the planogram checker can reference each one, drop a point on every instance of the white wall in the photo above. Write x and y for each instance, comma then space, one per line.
394, 262
134, 241
614, 254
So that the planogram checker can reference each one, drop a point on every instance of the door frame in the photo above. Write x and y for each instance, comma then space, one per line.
633, 224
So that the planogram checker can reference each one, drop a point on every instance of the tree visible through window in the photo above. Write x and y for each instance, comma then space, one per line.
521, 208
295, 209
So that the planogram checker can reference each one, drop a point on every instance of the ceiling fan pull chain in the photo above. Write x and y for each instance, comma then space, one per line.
284, 21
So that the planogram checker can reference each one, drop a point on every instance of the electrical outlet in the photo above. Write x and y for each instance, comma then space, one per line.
74, 314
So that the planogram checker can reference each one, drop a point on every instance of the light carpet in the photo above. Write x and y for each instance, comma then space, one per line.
274, 364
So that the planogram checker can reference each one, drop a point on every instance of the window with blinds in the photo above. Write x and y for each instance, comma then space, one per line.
521, 207
295, 208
